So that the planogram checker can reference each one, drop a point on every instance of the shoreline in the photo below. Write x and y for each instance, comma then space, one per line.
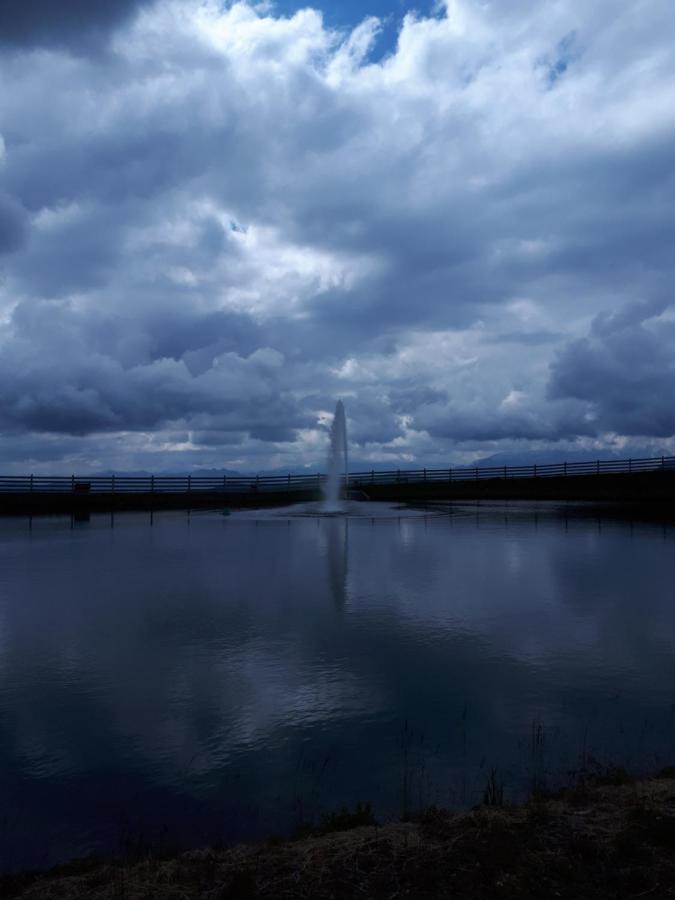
609, 836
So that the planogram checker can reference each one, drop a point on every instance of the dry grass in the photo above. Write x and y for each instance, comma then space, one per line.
603, 840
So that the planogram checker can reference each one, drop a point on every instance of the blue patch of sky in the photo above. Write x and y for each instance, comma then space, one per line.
345, 14
566, 51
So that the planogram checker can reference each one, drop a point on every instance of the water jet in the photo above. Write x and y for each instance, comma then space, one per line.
337, 480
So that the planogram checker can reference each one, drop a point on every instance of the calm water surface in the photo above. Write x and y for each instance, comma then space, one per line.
204, 678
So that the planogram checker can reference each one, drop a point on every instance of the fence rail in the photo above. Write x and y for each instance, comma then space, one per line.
126, 484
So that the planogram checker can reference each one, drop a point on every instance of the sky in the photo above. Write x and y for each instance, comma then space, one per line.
216, 219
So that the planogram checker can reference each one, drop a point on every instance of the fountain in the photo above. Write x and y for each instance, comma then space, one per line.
339, 502
337, 474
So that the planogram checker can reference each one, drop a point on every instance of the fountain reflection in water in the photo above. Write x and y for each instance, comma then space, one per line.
335, 491
337, 554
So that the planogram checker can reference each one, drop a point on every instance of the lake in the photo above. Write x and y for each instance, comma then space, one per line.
180, 680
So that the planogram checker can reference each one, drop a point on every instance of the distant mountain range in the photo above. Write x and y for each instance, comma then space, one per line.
551, 457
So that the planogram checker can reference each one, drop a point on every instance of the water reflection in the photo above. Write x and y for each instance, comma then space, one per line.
338, 559
217, 677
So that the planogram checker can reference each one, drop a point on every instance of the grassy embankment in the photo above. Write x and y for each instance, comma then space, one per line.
608, 837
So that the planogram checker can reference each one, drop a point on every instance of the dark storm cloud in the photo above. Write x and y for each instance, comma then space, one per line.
486, 426
61, 22
12, 224
97, 396
624, 372
96, 391
407, 400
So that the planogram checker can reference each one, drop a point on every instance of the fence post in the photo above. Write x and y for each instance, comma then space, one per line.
189, 483
289, 479
565, 468
112, 483
372, 476
630, 465
450, 474
663, 462
224, 482
505, 476
475, 470
398, 476
72, 482
597, 467
535, 470
425, 474
152, 484
31, 481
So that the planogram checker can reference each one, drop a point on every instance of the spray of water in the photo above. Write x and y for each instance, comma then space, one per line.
337, 462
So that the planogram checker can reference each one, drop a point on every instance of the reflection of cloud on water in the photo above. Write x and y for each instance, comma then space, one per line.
533, 592
216, 656
255, 693
276, 689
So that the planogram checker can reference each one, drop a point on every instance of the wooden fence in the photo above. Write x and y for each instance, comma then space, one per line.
127, 484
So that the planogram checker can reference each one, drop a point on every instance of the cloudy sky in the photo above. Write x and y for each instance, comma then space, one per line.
218, 218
